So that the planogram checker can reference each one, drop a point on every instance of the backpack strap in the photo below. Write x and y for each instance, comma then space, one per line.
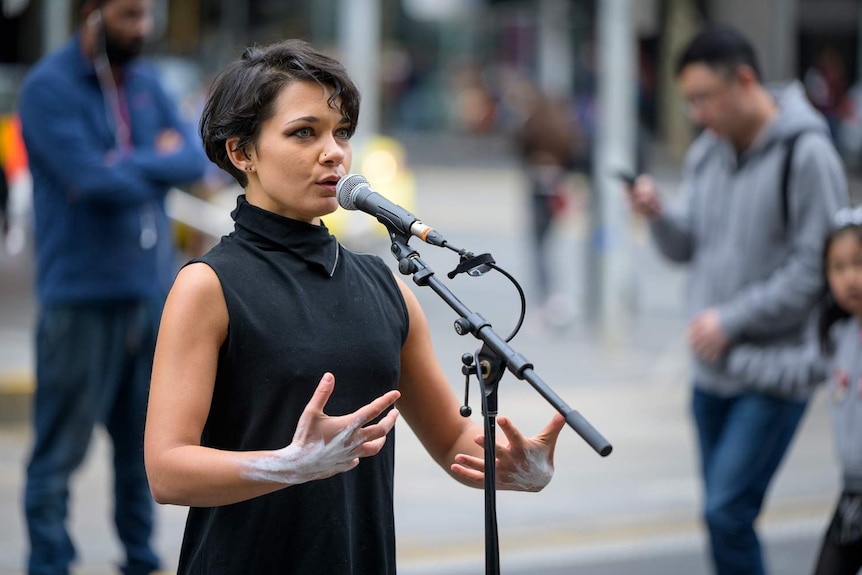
785, 179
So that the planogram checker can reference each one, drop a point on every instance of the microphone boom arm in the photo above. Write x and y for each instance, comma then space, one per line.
409, 263
488, 365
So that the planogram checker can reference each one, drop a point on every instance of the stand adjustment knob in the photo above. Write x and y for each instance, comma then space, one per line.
462, 326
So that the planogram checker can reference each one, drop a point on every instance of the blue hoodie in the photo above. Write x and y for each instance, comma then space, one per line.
102, 233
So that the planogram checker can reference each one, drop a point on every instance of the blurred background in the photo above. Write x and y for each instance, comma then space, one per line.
445, 82
445, 85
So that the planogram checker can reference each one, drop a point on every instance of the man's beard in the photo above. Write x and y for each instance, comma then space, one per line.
119, 53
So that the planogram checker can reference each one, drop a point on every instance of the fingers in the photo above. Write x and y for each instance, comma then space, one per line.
644, 198
469, 469
380, 404
706, 350
644, 187
470, 462
519, 446
525, 464
372, 444
381, 429
695, 341
369, 440
552, 431
321, 394
706, 337
323, 446
516, 439
324, 390
548, 435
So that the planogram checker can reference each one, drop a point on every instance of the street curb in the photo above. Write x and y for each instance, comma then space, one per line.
16, 396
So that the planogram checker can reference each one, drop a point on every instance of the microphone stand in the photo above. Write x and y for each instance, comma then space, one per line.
488, 364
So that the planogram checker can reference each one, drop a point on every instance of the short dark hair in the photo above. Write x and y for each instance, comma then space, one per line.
722, 48
95, 3
243, 96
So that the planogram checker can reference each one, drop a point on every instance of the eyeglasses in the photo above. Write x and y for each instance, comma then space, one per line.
850, 216
702, 98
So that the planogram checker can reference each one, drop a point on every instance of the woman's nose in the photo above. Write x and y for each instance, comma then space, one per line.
332, 153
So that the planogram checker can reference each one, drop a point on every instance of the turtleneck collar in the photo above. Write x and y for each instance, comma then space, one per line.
311, 243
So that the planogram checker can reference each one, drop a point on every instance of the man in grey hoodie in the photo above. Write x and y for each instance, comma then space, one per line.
751, 228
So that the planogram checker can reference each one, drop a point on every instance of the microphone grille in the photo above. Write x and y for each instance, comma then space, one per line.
346, 188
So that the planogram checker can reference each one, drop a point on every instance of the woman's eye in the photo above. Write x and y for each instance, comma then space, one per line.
343, 133
303, 132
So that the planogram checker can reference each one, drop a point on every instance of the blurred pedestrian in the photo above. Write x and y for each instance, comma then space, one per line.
759, 188
835, 354
4, 202
104, 144
826, 85
547, 144
281, 353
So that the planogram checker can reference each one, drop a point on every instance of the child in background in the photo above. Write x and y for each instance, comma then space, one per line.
837, 355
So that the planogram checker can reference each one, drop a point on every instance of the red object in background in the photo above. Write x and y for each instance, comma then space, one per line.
13, 155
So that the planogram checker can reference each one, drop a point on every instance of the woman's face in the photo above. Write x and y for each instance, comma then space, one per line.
844, 271
300, 154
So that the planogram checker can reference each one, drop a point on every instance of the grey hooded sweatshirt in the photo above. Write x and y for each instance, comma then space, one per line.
760, 273
790, 371
846, 387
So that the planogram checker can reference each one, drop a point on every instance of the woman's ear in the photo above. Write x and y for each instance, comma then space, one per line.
239, 157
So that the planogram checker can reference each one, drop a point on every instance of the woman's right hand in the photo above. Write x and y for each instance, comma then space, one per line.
324, 446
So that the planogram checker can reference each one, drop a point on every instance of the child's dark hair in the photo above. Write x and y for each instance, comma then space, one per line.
243, 96
830, 312
721, 48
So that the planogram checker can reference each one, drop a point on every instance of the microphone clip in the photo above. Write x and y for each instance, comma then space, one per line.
473, 265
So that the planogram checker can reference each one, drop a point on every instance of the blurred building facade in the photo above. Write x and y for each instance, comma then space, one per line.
449, 64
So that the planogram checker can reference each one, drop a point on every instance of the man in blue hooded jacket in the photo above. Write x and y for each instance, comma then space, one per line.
105, 144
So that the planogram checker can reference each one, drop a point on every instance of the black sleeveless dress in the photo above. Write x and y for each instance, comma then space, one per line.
299, 304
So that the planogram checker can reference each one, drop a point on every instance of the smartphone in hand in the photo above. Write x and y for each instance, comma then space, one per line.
627, 177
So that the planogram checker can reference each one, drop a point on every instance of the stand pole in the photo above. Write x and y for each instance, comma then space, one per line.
491, 360
489, 373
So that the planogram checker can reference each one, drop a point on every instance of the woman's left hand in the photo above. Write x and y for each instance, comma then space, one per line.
522, 465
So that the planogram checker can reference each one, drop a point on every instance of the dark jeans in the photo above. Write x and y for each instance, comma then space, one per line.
742, 441
93, 365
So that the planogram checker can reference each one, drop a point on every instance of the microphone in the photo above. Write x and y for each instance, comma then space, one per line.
355, 193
